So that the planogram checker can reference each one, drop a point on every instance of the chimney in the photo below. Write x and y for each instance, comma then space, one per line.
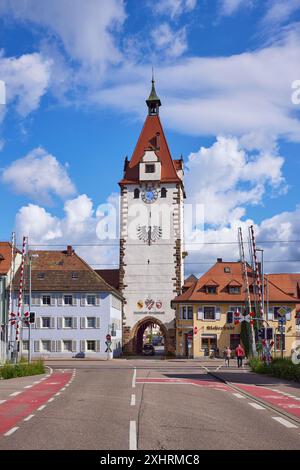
70, 250
219, 260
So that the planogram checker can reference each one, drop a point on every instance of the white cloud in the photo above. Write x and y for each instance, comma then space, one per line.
38, 175
279, 11
173, 7
229, 7
230, 179
85, 28
172, 43
27, 79
78, 226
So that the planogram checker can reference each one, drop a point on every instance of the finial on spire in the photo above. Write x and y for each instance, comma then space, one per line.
153, 102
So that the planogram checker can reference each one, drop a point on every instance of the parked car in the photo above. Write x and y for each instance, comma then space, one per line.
148, 350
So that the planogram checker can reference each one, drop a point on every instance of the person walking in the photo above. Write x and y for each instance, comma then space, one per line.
227, 355
240, 354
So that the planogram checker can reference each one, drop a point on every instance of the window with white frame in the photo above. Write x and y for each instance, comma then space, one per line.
67, 345
91, 299
91, 322
234, 289
209, 313
46, 345
25, 345
187, 312
68, 322
68, 299
46, 299
91, 345
46, 322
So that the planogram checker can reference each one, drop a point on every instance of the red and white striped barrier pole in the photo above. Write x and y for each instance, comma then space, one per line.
257, 273
20, 298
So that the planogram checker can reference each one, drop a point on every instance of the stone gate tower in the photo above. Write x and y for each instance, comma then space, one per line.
151, 238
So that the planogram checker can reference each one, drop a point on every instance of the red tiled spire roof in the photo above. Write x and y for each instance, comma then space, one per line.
152, 137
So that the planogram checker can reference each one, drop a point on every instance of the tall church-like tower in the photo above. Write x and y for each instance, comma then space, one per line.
151, 238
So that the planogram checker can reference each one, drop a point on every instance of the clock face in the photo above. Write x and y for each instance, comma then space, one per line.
149, 196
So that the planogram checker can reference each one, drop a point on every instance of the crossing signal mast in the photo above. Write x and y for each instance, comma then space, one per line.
246, 287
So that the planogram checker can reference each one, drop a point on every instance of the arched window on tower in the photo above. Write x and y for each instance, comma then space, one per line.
136, 193
163, 192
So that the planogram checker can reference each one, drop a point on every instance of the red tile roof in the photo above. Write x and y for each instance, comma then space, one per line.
111, 276
5, 257
197, 291
147, 140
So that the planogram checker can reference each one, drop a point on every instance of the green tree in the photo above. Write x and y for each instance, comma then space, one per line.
246, 337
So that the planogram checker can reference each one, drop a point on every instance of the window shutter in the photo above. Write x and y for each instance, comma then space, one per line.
59, 323
288, 313
59, 301
37, 346
74, 323
53, 346
82, 345
200, 313
58, 346
52, 300
97, 322
52, 322
38, 322
97, 300
74, 343
82, 322
74, 301
83, 300
271, 313
98, 346
218, 313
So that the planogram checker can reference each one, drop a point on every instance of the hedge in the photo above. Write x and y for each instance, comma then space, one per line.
282, 368
22, 369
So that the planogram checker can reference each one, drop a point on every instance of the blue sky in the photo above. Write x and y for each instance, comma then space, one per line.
77, 74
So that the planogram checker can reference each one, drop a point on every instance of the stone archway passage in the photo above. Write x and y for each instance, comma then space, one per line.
138, 332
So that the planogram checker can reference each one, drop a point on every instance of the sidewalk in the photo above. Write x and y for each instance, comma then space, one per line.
11, 387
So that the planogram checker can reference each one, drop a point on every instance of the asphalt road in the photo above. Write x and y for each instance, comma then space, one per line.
149, 404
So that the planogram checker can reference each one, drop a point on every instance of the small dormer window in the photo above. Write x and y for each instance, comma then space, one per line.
41, 276
136, 193
163, 192
227, 269
150, 168
234, 289
211, 289
74, 275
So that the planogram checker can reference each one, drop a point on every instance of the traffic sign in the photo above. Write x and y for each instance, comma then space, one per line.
108, 346
195, 330
281, 312
108, 337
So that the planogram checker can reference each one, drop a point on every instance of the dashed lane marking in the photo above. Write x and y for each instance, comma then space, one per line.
14, 394
285, 422
257, 406
132, 403
41, 407
134, 378
11, 431
28, 418
132, 436
238, 395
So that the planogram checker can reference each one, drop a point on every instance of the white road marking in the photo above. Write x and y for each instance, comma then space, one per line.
219, 367
2, 401
41, 407
51, 399
238, 395
28, 418
134, 378
11, 431
28, 386
285, 422
64, 388
132, 403
257, 406
14, 394
57, 394
132, 436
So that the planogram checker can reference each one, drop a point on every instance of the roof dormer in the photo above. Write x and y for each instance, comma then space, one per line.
150, 167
